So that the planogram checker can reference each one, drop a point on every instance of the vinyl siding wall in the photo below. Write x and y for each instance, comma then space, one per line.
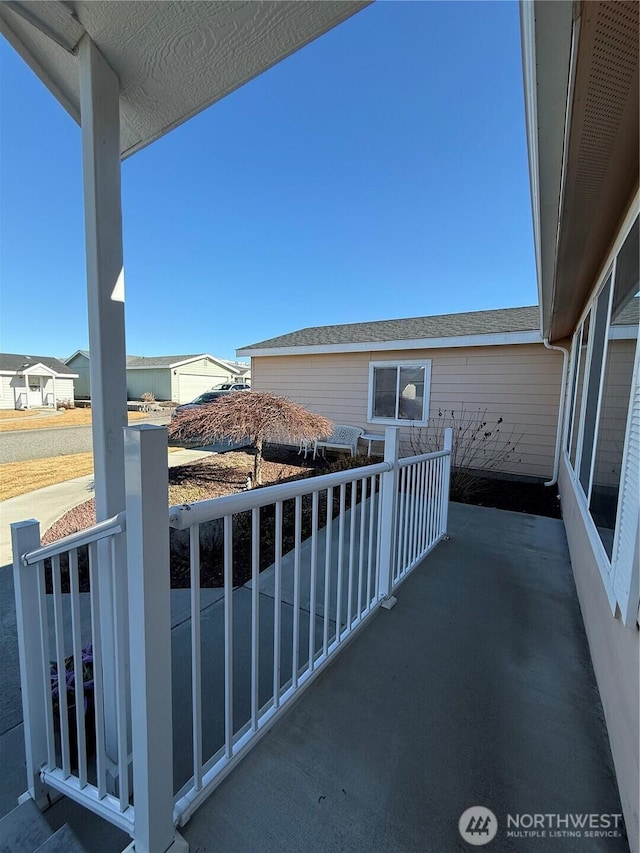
80, 365
615, 652
155, 380
520, 383
12, 387
184, 389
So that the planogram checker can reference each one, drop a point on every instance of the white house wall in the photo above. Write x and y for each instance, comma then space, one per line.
519, 383
13, 391
193, 378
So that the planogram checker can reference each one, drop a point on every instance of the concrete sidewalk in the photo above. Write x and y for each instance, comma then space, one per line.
48, 504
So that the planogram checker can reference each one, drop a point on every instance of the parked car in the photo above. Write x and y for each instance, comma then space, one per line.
211, 396
232, 386
200, 400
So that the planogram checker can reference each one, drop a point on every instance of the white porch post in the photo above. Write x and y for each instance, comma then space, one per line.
388, 517
34, 674
446, 485
100, 111
150, 632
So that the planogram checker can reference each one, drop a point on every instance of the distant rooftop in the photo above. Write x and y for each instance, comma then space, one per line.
498, 321
15, 362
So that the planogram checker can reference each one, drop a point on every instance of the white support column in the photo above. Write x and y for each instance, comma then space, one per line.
446, 485
388, 516
100, 109
150, 634
25, 537
100, 112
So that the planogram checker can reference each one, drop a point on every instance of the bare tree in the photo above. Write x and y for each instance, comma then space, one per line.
256, 415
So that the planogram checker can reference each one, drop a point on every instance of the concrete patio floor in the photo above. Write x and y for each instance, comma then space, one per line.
476, 689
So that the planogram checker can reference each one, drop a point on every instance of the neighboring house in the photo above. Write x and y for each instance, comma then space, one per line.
34, 381
167, 377
581, 96
415, 371
79, 362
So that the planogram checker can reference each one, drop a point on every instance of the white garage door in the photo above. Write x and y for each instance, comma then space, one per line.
192, 384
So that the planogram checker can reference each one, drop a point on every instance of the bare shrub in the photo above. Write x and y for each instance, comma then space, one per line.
148, 397
256, 415
480, 446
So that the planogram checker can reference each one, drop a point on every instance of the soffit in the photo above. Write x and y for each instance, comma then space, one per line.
601, 172
173, 58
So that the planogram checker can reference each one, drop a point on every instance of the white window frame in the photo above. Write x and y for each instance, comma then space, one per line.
399, 363
615, 575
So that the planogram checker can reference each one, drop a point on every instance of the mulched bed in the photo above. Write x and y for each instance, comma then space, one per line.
532, 498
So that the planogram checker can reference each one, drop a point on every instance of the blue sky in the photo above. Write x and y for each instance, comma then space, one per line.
379, 172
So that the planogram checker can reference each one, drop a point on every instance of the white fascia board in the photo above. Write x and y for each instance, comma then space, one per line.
39, 369
493, 340
77, 352
527, 36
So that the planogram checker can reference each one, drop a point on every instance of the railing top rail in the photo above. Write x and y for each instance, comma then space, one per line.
101, 530
413, 460
186, 515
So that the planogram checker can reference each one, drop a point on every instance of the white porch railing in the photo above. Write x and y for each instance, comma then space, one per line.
61, 667
312, 560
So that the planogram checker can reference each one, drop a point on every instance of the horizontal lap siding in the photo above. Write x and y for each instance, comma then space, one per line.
7, 396
155, 381
521, 384
64, 389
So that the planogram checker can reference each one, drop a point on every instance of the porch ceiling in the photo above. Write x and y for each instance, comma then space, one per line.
173, 59
587, 142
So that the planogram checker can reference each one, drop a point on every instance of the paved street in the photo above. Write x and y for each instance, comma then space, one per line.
21, 445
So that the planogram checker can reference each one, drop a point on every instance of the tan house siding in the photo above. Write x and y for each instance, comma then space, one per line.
520, 383
615, 651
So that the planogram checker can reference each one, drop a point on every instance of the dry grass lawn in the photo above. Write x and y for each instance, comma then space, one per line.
18, 478
70, 417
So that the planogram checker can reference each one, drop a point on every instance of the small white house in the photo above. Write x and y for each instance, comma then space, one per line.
34, 381
167, 377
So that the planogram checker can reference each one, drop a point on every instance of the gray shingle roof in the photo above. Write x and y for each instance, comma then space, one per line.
413, 328
16, 362
158, 360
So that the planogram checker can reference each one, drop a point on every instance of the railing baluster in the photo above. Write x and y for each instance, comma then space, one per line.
228, 636
327, 569
352, 551
363, 500
295, 664
312, 590
277, 608
121, 655
63, 707
343, 490
370, 566
98, 687
44, 642
401, 528
424, 506
196, 654
255, 617
78, 669
403, 525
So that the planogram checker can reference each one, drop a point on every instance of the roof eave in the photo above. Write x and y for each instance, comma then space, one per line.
546, 31
494, 339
